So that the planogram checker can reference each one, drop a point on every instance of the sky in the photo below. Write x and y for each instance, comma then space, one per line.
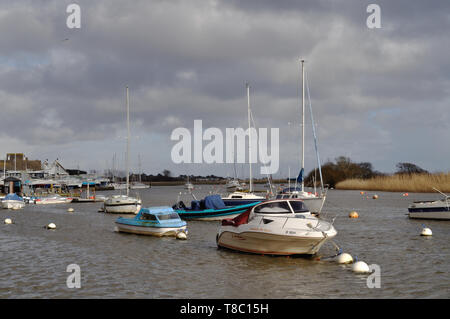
379, 95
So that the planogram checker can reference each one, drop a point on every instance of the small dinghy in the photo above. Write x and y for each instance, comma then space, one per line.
155, 221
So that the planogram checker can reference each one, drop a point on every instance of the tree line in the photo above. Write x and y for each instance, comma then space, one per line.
344, 168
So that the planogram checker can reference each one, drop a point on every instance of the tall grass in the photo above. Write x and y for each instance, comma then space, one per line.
414, 183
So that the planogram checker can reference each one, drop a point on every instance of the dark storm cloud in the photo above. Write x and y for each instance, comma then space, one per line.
186, 60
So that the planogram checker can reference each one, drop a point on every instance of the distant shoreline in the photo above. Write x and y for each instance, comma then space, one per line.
414, 183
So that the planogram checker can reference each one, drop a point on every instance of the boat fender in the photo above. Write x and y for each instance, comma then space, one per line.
181, 235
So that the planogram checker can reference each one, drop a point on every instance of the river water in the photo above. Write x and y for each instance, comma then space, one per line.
116, 265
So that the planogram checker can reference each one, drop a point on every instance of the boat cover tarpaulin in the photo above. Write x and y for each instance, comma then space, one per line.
12, 197
214, 202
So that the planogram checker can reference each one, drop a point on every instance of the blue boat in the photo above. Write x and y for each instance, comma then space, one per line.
210, 208
155, 221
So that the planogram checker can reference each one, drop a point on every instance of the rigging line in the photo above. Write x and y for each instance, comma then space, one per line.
314, 133
265, 166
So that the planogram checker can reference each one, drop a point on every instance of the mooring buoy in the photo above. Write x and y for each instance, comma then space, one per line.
70, 210
51, 226
360, 267
344, 258
8, 221
426, 231
353, 214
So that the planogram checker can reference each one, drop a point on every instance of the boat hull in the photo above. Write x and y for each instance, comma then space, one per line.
444, 215
211, 214
12, 204
270, 244
122, 208
148, 230
51, 201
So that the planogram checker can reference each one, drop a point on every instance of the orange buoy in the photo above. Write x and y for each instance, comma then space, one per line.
353, 214
362, 193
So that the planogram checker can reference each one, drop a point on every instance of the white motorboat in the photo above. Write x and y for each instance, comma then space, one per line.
139, 185
276, 227
53, 199
437, 209
122, 204
13, 201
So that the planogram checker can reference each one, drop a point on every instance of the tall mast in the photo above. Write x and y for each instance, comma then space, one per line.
303, 123
249, 138
128, 143
140, 173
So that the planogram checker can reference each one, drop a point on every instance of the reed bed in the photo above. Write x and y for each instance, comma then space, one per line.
414, 183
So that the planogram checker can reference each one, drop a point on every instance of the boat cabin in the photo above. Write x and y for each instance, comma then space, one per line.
281, 207
157, 214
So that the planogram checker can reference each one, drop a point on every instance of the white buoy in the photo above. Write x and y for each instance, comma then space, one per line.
8, 221
344, 258
360, 267
426, 232
70, 210
181, 235
51, 226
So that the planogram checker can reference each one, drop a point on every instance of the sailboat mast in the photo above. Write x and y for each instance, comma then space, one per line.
249, 138
303, 124
128, 144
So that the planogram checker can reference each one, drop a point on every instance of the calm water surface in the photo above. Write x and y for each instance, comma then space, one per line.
34, 260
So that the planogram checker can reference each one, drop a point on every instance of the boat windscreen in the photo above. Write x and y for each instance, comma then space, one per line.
273, 208
168, 216
145, 216
298, 207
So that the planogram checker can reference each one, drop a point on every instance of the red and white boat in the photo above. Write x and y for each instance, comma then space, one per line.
53, 199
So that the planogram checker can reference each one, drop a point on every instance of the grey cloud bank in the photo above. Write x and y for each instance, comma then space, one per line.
379, 95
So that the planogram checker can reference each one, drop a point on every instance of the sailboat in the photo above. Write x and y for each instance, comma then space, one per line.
240, 197
188, 185
138, 184
313, 201
233, 184
124, 204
